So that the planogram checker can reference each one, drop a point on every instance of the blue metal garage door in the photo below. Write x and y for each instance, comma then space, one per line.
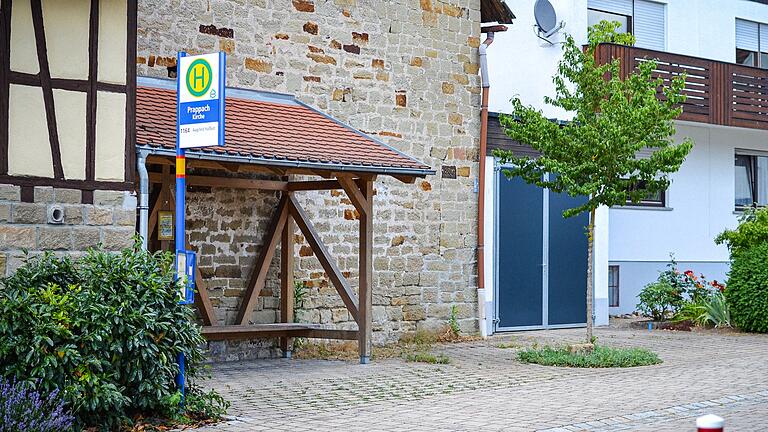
541, 258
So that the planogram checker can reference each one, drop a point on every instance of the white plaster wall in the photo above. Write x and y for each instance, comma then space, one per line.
66, 37
700, 202
29, 150
110, 136
600, 261
70, 123
700, 199
523, 65
24, 50
113, 36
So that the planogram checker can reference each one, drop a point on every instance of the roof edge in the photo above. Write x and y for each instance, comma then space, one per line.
237, 93
196, 154
362, 134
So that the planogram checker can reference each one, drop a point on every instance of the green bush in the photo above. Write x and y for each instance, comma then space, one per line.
104, 329
752, 231
659, 299
599, 357
747, 292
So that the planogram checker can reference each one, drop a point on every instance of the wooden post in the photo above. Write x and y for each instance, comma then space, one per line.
286, 284
366, 272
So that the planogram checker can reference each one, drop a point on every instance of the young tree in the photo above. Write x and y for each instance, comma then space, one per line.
594, 155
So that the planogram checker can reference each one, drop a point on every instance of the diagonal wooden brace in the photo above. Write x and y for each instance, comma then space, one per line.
354, 193
259, 273
322, 254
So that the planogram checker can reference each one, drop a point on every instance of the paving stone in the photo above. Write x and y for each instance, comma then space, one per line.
485, 385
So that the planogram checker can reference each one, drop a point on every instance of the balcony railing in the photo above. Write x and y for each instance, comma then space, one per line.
717, 92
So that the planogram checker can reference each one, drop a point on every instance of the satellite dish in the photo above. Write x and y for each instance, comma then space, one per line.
546, 19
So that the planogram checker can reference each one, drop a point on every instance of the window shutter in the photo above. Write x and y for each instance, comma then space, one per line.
746, 35
763, 37
623, 7
649, 25
645, 153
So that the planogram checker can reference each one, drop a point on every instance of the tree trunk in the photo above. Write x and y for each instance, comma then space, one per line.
590, 271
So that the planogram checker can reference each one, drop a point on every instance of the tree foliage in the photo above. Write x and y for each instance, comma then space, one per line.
752, 231
594, 155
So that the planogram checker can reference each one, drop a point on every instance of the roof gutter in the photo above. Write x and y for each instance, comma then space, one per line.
162, 151
482, 315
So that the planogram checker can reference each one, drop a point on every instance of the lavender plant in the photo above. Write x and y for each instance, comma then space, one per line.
24, 409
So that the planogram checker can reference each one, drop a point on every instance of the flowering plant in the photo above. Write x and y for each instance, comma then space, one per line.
675, 289
23, 409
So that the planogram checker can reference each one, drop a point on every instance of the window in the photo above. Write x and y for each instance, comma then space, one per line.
751, 180
594, 16
651, 199
751, 43
613, 286
645, 19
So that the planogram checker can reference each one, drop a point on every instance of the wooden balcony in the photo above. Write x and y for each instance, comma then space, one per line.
718, 93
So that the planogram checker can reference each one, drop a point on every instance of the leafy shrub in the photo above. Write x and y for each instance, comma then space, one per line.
22, 409
599, 357
659, 299
105, 329
747, 293
711, 310
752, 231
673, 290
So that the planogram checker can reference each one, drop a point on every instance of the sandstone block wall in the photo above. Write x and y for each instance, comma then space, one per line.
24, 226
403, 71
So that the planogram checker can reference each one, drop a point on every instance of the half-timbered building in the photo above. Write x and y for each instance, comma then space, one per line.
67, 97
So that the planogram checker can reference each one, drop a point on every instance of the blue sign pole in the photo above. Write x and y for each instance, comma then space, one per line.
181, 190
200, 103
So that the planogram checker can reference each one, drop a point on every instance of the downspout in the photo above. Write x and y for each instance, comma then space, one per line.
141, 162
481, 188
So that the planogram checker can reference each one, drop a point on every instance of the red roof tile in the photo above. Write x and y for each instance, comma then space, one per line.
272, 130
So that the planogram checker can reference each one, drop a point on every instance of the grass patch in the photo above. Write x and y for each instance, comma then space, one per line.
422, 357
509, 345
600, 357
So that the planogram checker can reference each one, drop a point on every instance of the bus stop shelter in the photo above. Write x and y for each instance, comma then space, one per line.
276, 143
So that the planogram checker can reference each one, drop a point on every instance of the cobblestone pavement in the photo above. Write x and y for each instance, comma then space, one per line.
485, 388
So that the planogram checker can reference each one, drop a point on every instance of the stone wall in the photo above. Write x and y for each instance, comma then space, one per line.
24, 226
402, 71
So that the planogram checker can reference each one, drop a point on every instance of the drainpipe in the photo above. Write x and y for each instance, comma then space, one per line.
481, 188
141, 161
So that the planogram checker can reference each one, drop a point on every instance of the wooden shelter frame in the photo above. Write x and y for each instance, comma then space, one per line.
288, 215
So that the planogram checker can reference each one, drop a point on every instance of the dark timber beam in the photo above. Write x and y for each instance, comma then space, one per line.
91, 95
45, 83
5, 69
260, 267
69, 183
130, 96
322, 254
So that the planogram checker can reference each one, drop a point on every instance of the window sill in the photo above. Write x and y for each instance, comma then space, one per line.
642, 207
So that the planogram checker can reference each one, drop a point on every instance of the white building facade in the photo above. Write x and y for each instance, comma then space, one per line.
728, 166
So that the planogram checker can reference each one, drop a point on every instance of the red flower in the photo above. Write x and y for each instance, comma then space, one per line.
688, 273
